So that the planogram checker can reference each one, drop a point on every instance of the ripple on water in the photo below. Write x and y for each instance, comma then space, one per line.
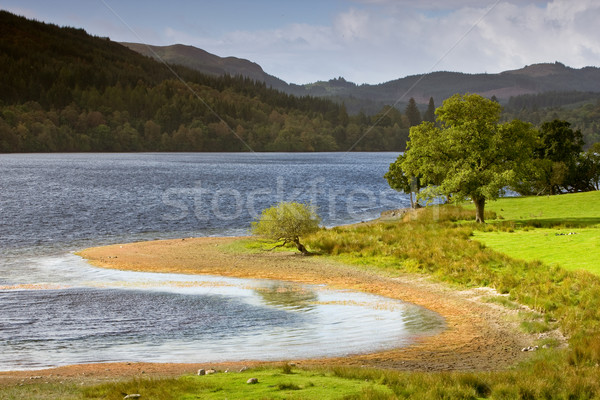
133, 316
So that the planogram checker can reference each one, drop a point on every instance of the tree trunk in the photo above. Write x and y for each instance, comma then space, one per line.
300, 247
479, 209
412, 202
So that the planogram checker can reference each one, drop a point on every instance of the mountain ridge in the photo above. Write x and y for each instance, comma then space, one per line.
531, 79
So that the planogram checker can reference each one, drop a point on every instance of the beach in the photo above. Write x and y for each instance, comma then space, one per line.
479, 335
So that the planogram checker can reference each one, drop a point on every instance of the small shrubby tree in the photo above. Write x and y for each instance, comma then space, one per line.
286, 222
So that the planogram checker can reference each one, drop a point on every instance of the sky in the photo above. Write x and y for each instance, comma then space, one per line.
364, 41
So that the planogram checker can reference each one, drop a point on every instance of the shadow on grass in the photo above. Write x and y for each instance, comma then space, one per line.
558, 222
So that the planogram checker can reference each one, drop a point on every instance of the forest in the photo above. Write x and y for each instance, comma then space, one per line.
62, 90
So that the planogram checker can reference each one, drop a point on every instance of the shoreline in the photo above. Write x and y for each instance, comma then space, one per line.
478, 335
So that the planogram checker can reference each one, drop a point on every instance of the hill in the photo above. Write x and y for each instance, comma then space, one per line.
534, 93
533, 79
207, 63
64, 90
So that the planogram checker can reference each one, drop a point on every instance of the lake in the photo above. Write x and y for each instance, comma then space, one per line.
58, 310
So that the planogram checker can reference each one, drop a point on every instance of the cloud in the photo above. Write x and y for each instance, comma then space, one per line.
372, 41
353, 25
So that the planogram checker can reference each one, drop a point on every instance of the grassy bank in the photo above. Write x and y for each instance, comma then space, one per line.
441, 243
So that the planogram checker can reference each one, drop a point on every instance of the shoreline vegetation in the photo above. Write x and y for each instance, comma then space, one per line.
495, 307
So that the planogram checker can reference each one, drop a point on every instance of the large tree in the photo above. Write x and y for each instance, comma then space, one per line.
470, 155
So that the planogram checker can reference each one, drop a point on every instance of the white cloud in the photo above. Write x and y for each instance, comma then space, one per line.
379, 40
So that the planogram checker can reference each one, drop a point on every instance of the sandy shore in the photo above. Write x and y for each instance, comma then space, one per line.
479, 335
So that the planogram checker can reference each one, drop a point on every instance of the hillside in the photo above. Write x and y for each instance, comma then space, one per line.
207, 63
534, 93
64, 90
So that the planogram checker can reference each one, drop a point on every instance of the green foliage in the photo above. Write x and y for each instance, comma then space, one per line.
69, 91
287, 222
582, 109
396, 177
470, 155
399, 181
558, 142
559, 165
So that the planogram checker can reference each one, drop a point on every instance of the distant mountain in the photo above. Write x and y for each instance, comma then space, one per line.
532, 79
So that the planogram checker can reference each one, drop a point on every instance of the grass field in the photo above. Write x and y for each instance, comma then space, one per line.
576, 208
568, 233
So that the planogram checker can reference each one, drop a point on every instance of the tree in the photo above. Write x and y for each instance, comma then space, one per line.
287, 222
559, 163
593, 155
588, 168
429, 115
470, 155
558, 142
412, 113
561, 145
400, 181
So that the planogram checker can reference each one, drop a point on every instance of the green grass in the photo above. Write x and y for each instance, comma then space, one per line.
437, 245
554, 217
581, 209
272, 383
551, 246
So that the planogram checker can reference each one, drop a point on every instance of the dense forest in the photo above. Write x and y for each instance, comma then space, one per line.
62, 90
581, 109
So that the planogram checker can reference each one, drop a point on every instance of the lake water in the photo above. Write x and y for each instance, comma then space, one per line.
57, 310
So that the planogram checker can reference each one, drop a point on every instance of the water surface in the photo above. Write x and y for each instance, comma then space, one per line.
58, 310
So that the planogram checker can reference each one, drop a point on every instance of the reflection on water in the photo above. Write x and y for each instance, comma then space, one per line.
98, 315
288, 296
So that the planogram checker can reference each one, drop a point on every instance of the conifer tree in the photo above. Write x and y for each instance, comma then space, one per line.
429, 115
412, 113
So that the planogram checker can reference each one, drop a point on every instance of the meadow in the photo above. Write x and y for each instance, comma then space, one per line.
446, 245
557, 230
